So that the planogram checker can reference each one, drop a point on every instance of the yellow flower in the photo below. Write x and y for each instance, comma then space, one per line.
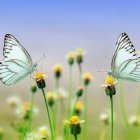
57, 70
79, 55
74, 120
78, 108
110, 86
44, 131
50, 97
87, 78
79, 52
71, 57
110, 81
74, 124
39, 75
40, 80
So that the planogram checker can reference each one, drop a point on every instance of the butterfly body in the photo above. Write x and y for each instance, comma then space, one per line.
17, 62
125, 62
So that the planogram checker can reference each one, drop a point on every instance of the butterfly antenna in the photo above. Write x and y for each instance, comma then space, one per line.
42, 58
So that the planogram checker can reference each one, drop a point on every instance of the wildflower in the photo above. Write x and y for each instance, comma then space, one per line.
57, 70
44, 131
105, 118
50, 98
134, 121
87, 78
78, 108
13, 101
79, 92
79, 55
33, 88
24, 109
63, 94
75, 125
40, 80
71, 57
110, 86
34, 135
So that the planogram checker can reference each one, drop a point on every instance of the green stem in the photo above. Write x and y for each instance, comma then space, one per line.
56, 131
122, 105
85, 113
75, 136
49, 117
80, 74
138, 106
112, 118
70, 89
103, 134
76, 100
31, 112
124, 112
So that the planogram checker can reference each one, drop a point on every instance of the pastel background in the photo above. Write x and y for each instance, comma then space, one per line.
58, 26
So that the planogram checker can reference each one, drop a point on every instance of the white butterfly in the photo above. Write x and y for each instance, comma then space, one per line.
125, 62
17, 62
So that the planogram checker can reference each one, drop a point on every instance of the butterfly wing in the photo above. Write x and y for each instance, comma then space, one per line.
17, 62
125, 62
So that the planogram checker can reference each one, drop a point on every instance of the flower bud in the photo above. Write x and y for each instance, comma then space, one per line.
33, 88
57, 71
79, 92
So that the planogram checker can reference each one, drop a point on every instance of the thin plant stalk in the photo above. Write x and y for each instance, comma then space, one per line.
80, 74
49, 116
138, 106
70, 89
112, 118
31, 111
124, 112
103, 134
122, 105
85, 113
66, 134
75, 136
56, 107
76, 100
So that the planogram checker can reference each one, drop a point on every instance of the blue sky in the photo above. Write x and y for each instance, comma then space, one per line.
60, 26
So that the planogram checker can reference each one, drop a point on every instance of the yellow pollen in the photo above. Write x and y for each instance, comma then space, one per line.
110, 81
87, 76
78, 106
74, 120
57, 68
39, 75
44, 132
26, 106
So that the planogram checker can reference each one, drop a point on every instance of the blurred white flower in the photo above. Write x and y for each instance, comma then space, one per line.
13, 101
44, 131
62, 93
34, 135
105, 117
23, 110
134, 120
